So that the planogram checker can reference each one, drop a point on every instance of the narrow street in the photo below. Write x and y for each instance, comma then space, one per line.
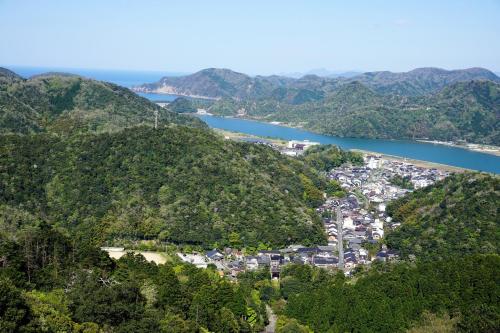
271, 327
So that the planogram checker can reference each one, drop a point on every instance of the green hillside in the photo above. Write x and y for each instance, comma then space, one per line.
462, 111
422, 81
459, 294
225, 83
177, 184
455, 217
64, 103
50, 282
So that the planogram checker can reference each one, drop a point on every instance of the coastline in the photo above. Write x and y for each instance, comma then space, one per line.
171, 92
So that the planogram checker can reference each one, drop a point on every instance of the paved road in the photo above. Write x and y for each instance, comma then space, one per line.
271, 327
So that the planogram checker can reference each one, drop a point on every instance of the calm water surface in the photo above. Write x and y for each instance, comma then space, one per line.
410, 149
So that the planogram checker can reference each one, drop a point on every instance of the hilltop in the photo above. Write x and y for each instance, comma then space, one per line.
65, 103
223, 83
421, 81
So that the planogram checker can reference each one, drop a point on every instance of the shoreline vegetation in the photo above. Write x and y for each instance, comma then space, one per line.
476, 147
231, 135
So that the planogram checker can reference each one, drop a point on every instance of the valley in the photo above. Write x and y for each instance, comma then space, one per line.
105, 195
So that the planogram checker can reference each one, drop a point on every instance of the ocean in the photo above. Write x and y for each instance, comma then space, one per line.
123, 78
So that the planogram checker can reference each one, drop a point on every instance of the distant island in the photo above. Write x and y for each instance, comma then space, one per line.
422, 104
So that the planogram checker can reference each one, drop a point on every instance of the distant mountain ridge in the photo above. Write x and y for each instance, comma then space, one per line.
422, 81
425, 103
8, 74
219, 83
467, 110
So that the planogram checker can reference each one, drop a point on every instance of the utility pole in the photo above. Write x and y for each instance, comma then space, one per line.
156, 119
340, 240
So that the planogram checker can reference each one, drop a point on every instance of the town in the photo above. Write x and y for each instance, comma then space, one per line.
354, 224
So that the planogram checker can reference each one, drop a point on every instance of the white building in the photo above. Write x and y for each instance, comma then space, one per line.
195, 259
302, 145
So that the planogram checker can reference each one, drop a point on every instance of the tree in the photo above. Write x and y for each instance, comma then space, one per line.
227, 322
174, 323
235, 240
15, 315
287, 325
170, 293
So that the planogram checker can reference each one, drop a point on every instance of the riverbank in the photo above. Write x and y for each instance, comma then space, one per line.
475, 147
232, 135
480, 148
419, 163
419, 151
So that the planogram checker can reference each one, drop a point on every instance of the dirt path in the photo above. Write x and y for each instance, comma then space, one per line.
271, 327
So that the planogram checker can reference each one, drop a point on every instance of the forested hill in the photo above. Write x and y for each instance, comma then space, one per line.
217, 83
177, 184
455, 217
68, 103
462, 111
421, 81
426, 103
225, 83
50, 282
447, 278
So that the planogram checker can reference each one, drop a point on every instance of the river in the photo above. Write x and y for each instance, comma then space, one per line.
454, 156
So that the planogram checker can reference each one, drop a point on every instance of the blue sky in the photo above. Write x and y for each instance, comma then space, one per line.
256, 37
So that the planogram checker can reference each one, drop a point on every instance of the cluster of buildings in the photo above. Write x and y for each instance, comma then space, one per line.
296, 148
376, 174
234, 262
292, 148
354, 224
363, 211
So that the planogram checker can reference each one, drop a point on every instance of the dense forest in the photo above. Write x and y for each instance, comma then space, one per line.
52, 283
326, 157
76, 173
65, 103
455, 217
462, 292
178, 184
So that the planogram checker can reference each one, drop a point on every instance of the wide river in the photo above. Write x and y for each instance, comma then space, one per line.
453, 156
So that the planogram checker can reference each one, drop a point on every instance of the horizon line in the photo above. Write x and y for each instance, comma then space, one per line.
281, 73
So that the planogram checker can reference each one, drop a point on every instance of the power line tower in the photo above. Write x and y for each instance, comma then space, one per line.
156, 119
